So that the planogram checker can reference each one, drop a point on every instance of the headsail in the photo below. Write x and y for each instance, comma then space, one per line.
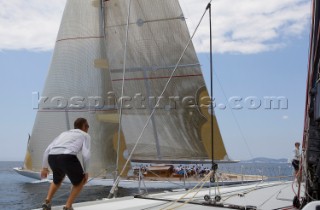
156, 38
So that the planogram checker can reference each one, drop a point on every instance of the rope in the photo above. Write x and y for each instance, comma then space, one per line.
271, 197
218, 186
282, 199
202, 182
294, 178
189, 191
257, 187
154, 109
248, 191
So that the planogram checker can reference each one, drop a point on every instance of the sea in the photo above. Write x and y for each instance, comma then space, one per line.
19, 193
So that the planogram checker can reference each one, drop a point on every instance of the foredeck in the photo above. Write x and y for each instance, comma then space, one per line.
269, 195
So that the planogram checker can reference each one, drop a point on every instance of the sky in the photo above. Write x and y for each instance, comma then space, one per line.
260, 51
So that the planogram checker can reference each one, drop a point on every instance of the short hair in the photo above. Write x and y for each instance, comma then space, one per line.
78, 123
297, 143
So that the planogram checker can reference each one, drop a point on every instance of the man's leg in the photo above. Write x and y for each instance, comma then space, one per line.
76, 189
52, 190
75, 173
58, 176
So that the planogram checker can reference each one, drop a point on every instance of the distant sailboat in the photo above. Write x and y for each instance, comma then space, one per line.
102, 55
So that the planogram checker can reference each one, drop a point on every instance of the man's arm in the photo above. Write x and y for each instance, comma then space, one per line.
45, 164
44, 173
86, 154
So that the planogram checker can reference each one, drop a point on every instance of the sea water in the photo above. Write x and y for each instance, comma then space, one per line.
19, 193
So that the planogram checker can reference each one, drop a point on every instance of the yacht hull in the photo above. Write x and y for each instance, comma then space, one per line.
125, 183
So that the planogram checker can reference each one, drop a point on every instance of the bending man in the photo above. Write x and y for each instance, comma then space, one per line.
61, 155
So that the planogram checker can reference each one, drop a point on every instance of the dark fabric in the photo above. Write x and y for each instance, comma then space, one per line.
295, 164
62, 165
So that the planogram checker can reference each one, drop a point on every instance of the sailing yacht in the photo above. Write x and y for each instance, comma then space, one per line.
131, 70
129, 67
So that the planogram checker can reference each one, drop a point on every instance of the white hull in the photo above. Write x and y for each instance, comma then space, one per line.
132, 183
29, 174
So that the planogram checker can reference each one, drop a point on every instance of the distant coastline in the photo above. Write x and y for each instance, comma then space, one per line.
266, 160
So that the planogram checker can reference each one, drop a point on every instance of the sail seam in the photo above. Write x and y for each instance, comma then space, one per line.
154, 68
69, 110
148, 21
151, 78
75, 38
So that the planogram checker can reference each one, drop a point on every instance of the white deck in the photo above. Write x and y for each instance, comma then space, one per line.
272, 195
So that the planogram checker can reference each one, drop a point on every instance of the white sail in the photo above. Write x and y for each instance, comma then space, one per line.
87, 64
76, 77
157, 36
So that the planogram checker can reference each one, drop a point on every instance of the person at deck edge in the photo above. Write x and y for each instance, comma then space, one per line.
61, 156
296, 158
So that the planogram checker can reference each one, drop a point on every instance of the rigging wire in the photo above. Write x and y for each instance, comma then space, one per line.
123, 74
103, 23
122, 87
211, 88
154, 109
233, 115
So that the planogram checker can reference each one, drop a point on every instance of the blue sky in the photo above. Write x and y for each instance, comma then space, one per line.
267, 132
261, 50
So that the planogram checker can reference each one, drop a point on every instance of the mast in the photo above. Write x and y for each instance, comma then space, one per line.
311, 138
214, 166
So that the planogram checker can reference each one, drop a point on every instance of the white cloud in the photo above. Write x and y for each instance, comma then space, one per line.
285, 117
248, 26
242, 26
31, 25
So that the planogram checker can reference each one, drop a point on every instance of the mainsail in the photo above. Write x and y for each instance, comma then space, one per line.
85, 80
157, 35
75, 85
